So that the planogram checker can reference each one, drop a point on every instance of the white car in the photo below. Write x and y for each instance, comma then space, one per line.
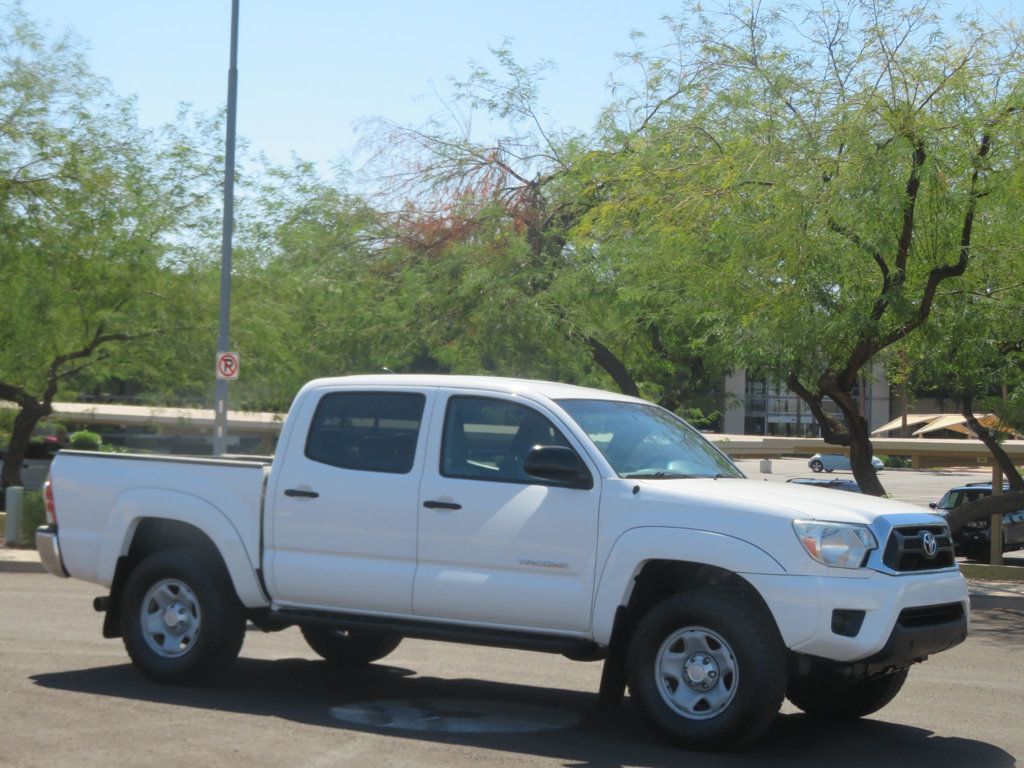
520, 514
829, 462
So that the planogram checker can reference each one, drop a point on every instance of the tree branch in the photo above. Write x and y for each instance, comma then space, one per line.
831, 430
909, 205
613, 367
985, 435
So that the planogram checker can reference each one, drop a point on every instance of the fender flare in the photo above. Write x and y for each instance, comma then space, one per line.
138, 503
637, 546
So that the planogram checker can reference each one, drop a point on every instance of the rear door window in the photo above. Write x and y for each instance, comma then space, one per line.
369, 431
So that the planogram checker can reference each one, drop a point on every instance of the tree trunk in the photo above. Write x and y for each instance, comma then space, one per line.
861, 450
24, 423
984, 434
613, 367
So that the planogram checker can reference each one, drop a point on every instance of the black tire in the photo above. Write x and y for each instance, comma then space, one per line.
757, 668
840, 700
349, 649
218, 633
816, 466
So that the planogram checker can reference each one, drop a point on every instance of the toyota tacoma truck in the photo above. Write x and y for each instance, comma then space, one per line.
520, 514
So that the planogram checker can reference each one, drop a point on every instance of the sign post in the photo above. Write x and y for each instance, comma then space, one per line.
220, 431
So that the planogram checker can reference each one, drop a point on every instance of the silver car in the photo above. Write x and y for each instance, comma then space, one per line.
829, 462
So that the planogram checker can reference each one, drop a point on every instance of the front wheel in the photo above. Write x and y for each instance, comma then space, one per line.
180, 618
349, 649
707, 669
834, 699
817, 466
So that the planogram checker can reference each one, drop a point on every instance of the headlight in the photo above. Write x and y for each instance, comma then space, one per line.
837, 545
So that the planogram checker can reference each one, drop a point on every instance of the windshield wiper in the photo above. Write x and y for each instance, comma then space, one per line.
659, 475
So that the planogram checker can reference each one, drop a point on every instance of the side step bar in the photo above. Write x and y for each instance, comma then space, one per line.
425, 630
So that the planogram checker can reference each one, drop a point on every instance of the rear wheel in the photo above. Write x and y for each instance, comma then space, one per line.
180, 618
707, 669
349, 649
834, 699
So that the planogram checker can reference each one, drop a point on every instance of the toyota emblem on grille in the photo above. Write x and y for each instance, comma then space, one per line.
929, 545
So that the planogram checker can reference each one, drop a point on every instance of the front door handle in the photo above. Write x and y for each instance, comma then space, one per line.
441, 505
301, 494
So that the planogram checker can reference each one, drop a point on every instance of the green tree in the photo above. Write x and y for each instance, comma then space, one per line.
813, 190
973, 348
489, 232
83, 219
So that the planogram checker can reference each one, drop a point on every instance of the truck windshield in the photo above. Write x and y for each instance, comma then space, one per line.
642, 440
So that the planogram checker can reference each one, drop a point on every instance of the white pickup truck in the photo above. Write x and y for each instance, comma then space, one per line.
522, 514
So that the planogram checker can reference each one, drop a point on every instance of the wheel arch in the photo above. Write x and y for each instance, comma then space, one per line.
647, 564
146, 520
147, 536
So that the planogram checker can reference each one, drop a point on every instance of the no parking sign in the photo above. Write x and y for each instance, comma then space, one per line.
227, 365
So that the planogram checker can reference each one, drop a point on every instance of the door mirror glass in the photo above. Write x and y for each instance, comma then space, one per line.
557, 464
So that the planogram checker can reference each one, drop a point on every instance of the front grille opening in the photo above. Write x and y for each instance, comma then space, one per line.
905, 550
931, 615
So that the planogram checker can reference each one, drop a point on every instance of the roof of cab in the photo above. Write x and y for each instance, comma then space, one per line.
550, 389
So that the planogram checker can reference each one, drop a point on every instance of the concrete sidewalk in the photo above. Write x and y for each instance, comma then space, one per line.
984, 594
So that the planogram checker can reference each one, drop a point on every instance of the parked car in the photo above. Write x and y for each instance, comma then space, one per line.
521, 514
837, 483
974, 539
829, 462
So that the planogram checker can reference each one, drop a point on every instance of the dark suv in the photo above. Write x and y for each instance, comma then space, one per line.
972, 540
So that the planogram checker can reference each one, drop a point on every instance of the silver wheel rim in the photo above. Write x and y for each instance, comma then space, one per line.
697, 673
170, 618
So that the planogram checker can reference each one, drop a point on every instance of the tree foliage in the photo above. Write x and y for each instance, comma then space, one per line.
815, 195
798, 191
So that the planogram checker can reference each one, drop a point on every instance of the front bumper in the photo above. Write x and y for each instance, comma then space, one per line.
803, 608
48, 548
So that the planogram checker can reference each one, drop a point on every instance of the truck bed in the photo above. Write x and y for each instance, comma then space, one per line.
100, 497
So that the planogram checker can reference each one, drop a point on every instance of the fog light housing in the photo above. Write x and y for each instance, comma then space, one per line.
847, 622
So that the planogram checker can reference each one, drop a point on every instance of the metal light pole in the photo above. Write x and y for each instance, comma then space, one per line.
220, 436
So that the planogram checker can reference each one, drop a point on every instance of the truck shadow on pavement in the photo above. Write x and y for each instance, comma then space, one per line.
577, 733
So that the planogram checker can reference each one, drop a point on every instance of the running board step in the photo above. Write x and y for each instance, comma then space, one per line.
426, 630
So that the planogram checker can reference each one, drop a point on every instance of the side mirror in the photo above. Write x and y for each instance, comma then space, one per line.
557, 464
933, 504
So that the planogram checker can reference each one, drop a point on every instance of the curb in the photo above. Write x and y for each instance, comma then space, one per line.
21, 566
1012, 573
996, 602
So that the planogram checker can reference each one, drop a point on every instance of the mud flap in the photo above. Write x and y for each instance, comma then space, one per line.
613, 676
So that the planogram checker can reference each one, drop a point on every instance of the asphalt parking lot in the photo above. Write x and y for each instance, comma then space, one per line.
915, 486
69, 698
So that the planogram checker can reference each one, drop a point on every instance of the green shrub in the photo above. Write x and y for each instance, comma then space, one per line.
894, 462
33, 514
86, 441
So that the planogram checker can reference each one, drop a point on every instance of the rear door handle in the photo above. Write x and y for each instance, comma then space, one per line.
441, 505
301, 494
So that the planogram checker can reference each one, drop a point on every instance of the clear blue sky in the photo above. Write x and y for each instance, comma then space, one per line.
309, 70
